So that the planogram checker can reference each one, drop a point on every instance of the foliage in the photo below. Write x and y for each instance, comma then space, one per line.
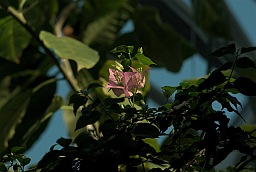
33, 38
115, 133
198, 134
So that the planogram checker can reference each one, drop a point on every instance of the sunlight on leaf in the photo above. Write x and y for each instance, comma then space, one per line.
69, 48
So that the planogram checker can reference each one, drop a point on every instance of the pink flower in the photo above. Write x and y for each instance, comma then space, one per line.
126, 83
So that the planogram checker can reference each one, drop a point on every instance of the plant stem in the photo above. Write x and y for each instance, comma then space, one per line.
20, 18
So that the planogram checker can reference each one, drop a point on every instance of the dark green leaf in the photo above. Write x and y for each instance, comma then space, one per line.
216, 78
10, 121
87, 119
96, 9
143, 59
108, 127
85, 140
22, 159
52, 147
43, 103
17, 150
48, 158
93, 85
78, 99
13, 39
233, 100
247, 49
111, 101
168, 91
123, 49
240, 115
212, 17
245, 62
64, 142
33, 13
245, 86
230, 49
160, 41
3, 167
226, 66
146, 130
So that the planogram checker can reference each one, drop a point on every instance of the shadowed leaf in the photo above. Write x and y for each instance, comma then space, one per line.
11, 116
168, 91
247, 49
216, 78
230, 49
245, 86
146, 130
87, 119
245, 62
78, 99
64, 142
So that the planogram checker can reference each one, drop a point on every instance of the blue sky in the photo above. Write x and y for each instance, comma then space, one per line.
245, 11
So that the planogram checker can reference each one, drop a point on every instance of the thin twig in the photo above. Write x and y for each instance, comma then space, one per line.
58, 31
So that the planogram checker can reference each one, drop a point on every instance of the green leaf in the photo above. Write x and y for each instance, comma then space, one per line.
245, 62
13, 39
22, 159
247, 49
33, 11
15, 108
98, 8
212, 17
64, 142
69, 48
3, 167
78, 99
42, 105
123, 49
232, 99
168, 91
17, 149
85, 140
160, 41
245, 86
216, 78
93, 85
153, 143
108, 127
111, 101
226, 66
87, 119
144, 60
48, 158
230, 49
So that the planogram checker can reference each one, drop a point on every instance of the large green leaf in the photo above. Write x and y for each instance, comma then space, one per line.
212, 16
159, 40
13, 39
40, 13
11, 114
69, 48
93, 10
42, 105
105, 29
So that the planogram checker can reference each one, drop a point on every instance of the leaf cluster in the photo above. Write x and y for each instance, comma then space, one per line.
14, 160
198, 135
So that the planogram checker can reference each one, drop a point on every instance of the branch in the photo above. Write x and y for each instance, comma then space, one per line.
58, 31
20, 18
